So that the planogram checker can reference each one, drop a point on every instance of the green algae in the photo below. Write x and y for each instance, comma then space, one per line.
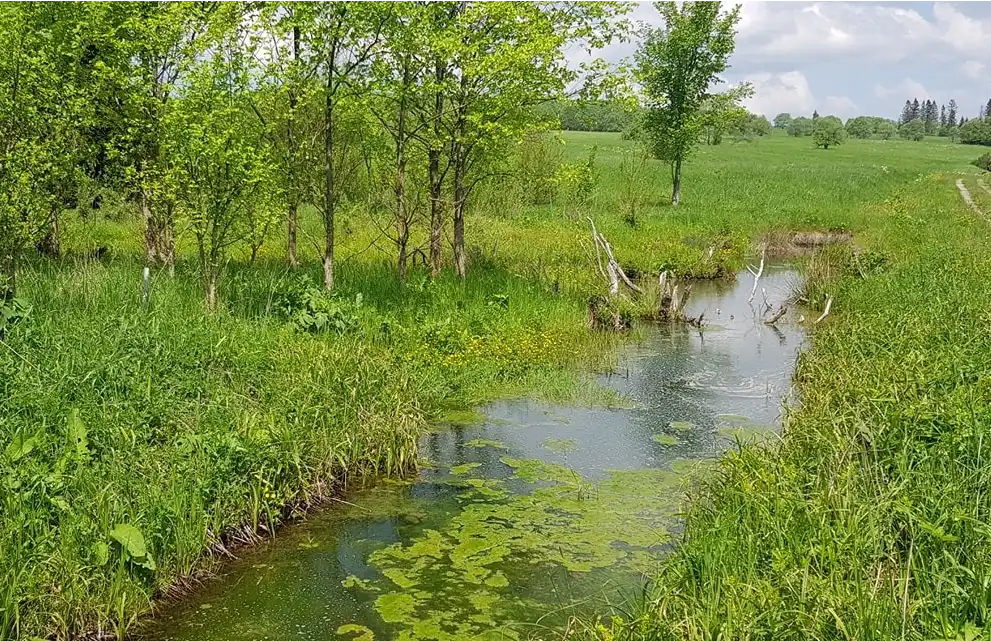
481, 442
462, 417
464, 468
455, 582
733, 419
681, 426
560, 445
665, 439
361, 632
356, 582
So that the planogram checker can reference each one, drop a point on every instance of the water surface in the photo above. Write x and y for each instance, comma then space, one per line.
537, 513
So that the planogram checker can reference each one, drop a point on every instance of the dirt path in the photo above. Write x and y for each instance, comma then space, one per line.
965, 194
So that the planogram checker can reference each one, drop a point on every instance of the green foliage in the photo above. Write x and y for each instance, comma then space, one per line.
983, 162
12, 312
886, 130
914, 129
861, 127
782, 120
750, 127
677, 64
828, 132
314, 309
595, 115
800, 126
976, 132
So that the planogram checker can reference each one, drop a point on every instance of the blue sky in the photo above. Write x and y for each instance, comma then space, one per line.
855, 58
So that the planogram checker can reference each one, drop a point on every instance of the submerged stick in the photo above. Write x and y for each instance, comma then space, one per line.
777, 315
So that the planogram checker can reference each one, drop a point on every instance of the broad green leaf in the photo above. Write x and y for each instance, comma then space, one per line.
101, 553
131, 539
20, 447
77, 433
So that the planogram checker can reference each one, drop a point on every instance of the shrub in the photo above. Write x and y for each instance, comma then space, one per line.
828, 131
984, 162
913, 130
312, 309
976, 132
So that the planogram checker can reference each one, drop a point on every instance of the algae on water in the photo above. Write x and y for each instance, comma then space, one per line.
455, 581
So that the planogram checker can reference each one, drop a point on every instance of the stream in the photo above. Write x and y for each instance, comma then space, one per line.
536, 514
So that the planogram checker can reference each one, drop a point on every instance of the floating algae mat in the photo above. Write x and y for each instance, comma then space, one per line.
524, 519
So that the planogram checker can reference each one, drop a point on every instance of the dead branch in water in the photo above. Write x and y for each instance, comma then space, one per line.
614, 271
757, 274
778, 315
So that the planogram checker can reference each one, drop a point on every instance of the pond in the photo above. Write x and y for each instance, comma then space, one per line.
536, 514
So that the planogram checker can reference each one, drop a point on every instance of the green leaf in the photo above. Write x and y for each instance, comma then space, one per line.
131, 539
77, 433
20, 447
101, 553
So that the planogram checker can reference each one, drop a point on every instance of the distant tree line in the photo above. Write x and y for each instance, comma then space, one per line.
590, 115
918, 120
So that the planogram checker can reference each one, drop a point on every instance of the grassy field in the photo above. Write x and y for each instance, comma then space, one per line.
198, 430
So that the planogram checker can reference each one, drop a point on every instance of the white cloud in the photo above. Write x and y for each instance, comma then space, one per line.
973, 69
841, 106
790, 92
907, 88
774, 93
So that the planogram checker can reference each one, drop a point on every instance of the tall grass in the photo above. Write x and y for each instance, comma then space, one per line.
204, 430
870, 520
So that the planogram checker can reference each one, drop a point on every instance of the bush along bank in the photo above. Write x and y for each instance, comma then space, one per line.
870, 519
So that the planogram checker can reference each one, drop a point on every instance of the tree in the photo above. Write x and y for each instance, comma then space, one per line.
906, 113
285, 104
213, 149
782, 120
987, 110
815, 115
976, 132
860, 127
677, 65
800, 126
721, 113
828, 131
750, 127
886, 130
916, 110
41, 115
951, 114
914, 129
942, 119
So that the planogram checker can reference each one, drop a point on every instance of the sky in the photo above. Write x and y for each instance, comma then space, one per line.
854, 58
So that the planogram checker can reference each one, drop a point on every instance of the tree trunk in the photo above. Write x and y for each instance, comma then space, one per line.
293, 262
8, 278
460, 266
50, 243
292, 151
402, 220
151, 245
211, 289
436, 177
436, 213
676, 189
328, 194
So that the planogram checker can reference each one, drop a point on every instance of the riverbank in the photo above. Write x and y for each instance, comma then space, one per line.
182, 426
869, 520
